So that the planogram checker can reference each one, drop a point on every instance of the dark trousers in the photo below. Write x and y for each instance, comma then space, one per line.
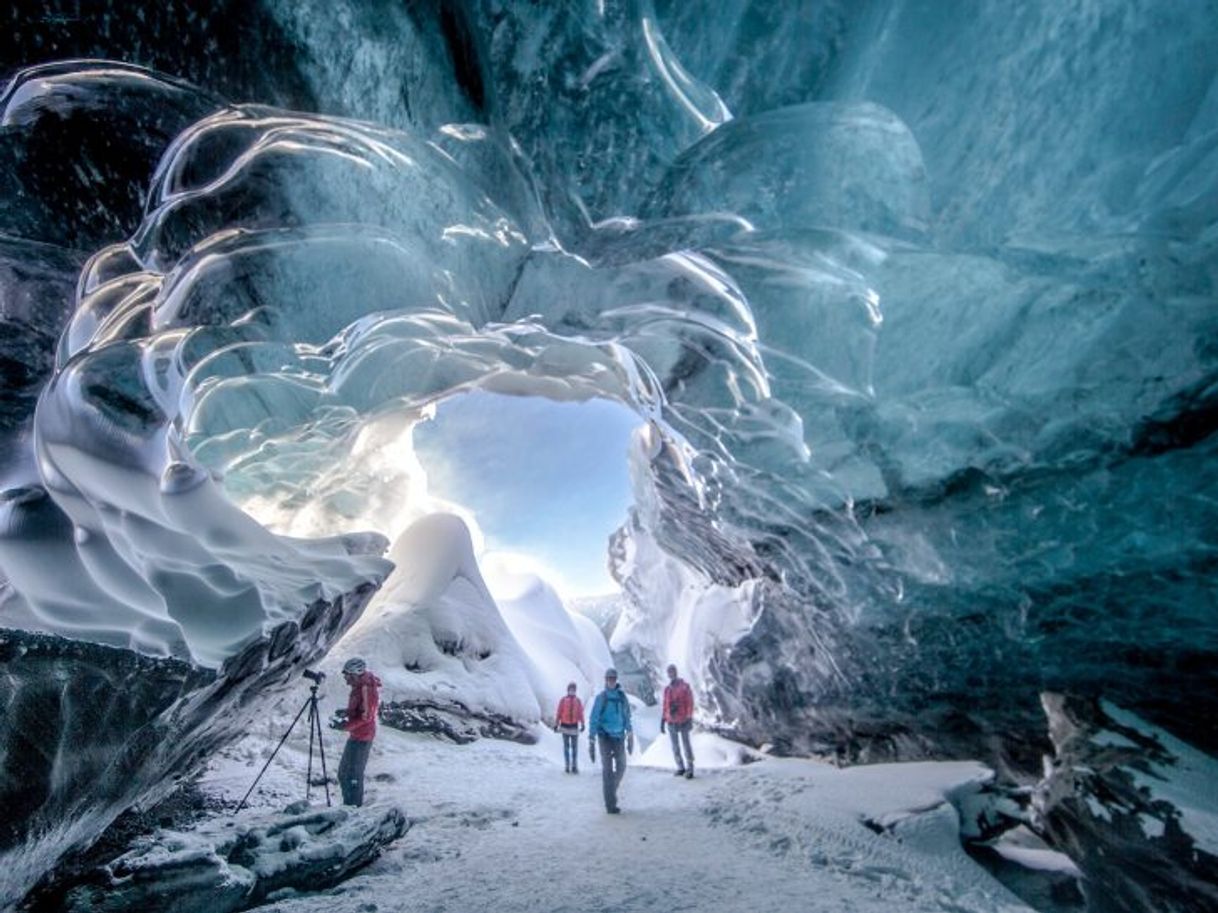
679, 733
570, 750
351, 771
613, 766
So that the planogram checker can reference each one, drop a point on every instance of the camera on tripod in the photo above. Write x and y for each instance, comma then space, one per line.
310, 705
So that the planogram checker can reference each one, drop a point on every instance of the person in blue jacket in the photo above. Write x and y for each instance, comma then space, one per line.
609, 727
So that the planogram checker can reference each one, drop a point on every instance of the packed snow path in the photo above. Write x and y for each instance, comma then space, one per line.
500, 827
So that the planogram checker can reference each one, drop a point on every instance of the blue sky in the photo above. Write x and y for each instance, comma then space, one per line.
544, 478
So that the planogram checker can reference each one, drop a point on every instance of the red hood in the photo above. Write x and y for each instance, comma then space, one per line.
366, 678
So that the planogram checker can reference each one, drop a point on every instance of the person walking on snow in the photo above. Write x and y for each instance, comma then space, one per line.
569, 720
679, 719
360, 725
609, 728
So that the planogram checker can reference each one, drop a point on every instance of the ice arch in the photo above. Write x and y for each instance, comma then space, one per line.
285, 357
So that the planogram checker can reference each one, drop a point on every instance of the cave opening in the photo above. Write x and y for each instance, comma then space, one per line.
544, 482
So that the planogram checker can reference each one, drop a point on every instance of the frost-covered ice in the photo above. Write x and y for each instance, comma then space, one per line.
499, 826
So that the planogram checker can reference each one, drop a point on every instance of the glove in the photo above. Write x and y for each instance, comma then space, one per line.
661, 727
581, 727
630, 742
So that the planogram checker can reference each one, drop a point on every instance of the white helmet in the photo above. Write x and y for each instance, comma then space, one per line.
354, 666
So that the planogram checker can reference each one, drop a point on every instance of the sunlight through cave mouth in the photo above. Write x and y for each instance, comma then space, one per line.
545, 483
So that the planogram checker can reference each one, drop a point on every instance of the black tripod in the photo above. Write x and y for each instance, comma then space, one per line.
310, 705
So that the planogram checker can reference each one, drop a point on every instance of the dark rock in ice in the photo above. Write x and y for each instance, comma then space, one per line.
226, 865
453, 721
90, 730
1132, 806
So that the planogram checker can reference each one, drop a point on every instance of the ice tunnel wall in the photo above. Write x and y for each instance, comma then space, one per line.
918, 298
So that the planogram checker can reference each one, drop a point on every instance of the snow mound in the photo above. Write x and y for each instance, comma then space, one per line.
434, 634
564, 647
710, 752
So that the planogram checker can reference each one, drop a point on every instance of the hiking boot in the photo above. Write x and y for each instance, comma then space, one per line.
614, 811
679, 772
689, 773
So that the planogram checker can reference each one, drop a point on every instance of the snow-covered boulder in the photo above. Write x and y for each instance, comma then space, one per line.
229, 864
710, 751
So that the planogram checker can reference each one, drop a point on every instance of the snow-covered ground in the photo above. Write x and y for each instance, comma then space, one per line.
499, 826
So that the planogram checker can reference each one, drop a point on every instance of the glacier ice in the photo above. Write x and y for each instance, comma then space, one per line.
919, 313
770, 308
841, 165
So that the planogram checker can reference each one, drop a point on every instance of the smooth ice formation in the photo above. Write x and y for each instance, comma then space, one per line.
919, 315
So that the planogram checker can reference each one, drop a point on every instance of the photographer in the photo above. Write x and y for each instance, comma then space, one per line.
360, 726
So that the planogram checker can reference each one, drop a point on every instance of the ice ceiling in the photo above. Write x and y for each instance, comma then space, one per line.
919, 307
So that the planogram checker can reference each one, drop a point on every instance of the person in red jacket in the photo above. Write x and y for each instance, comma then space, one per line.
569, 720
679, 719
360, 724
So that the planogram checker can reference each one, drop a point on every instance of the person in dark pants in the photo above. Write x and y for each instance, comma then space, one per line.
679, 719
360, 726
569, 720
609, 728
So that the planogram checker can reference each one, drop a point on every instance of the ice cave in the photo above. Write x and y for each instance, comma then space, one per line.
896, 322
